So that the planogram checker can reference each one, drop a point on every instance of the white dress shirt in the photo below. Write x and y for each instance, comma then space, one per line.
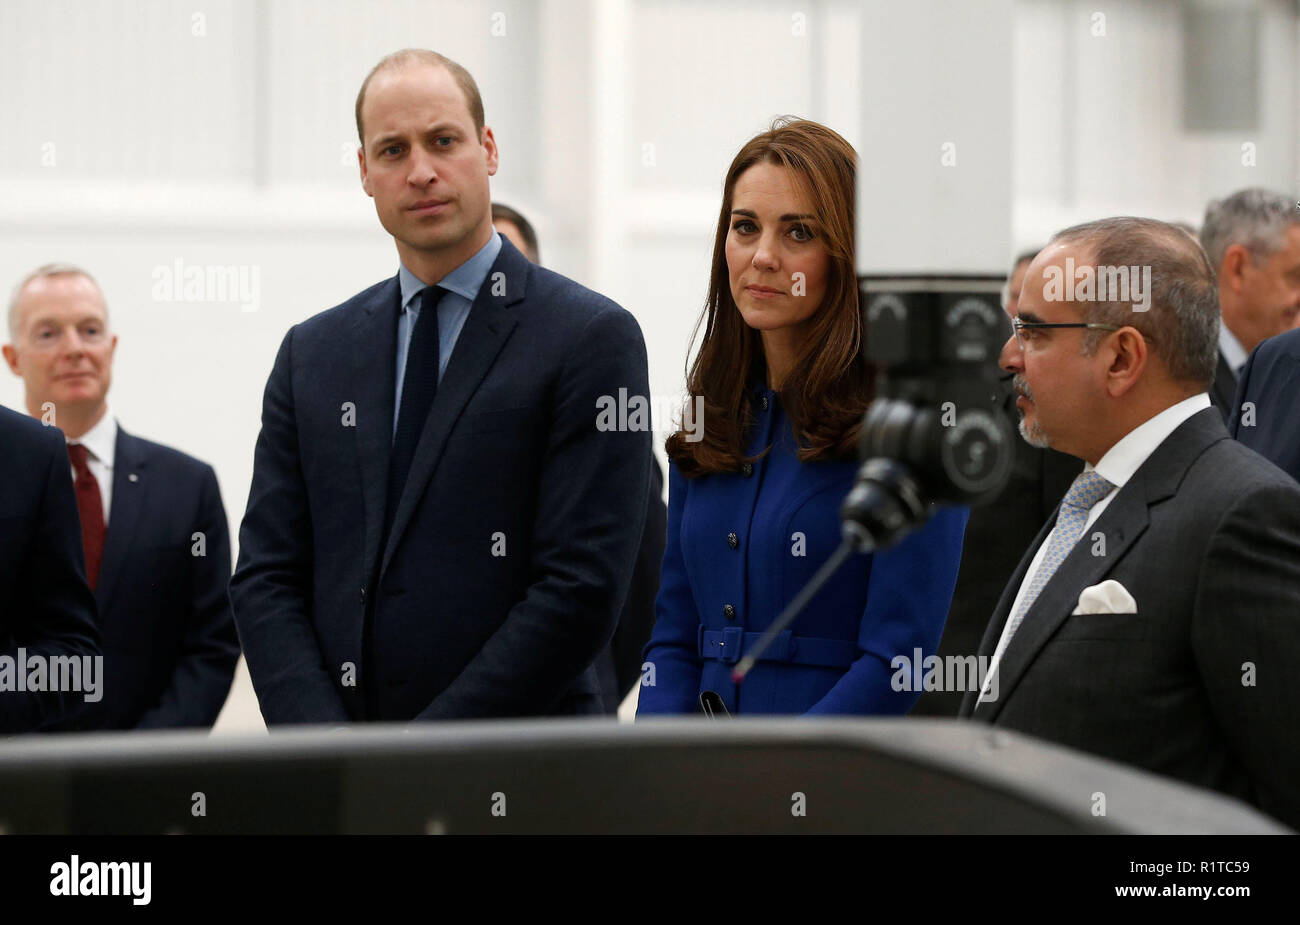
1118, 466
101, 443
1231, 349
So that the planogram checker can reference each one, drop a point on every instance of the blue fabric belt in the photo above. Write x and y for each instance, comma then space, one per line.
726, 645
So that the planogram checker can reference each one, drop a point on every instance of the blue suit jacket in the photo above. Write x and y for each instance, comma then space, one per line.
511, 549
46, 606
169, 641
740, 547
1271, 380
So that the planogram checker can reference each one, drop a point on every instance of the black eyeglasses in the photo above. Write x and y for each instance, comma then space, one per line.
1020, 326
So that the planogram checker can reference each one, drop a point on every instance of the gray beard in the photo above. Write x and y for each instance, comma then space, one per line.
1034, 436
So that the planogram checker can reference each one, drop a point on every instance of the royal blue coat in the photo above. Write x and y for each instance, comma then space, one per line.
741, 546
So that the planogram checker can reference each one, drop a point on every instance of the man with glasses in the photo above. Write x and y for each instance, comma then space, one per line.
998, 532
1156, 618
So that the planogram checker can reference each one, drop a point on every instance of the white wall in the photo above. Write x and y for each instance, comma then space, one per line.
1099, 118
136, 135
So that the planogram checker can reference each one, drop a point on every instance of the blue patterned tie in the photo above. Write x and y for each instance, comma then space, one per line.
1087, 490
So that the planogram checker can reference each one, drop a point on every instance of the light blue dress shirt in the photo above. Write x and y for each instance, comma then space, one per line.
462, 285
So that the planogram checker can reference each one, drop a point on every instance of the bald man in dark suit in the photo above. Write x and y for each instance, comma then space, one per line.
1155, 620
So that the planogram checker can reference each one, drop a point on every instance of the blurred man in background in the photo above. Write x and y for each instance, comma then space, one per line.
1253, 241
153, 528
1015, 280
518, 230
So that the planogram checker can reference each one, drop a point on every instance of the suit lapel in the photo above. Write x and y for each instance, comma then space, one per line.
1125, 519
130, 478
374, 372
486, 329
993, 632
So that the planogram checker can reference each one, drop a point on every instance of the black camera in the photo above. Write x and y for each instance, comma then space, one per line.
936, 432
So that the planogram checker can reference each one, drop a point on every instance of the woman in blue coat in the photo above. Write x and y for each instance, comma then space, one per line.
756, 484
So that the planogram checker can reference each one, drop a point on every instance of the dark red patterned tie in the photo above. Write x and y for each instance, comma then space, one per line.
90, 504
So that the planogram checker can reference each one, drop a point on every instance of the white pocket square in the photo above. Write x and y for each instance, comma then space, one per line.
1108, 597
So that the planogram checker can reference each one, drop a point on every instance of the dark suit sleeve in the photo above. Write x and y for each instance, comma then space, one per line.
1246, 640
670, 682
1271, 384
59, 616
591, 505
270, 592
209, 649
638, 617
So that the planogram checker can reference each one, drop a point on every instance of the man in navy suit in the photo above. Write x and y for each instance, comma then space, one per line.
1264, 414
153, 528
439, 526
46, 610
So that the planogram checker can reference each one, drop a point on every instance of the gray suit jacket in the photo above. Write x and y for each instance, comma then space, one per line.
1199, 683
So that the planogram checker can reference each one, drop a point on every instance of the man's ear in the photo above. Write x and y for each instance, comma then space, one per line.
11, 357
1235, 259
365, 175
1129, 361
489, 143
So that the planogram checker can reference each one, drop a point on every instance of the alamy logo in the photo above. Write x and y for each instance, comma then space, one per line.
208, 283
625, 412
76, 877
1098, 284
66, 673
950, 673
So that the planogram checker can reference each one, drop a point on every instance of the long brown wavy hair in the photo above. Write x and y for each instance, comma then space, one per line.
829, 386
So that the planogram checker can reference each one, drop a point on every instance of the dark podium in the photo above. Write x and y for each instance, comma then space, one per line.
596, 776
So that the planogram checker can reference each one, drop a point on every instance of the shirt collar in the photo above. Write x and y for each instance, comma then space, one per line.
1231, 349
1127, 456
100, 440
465, 280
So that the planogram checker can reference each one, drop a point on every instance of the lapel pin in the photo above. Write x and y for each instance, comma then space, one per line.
133, 477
